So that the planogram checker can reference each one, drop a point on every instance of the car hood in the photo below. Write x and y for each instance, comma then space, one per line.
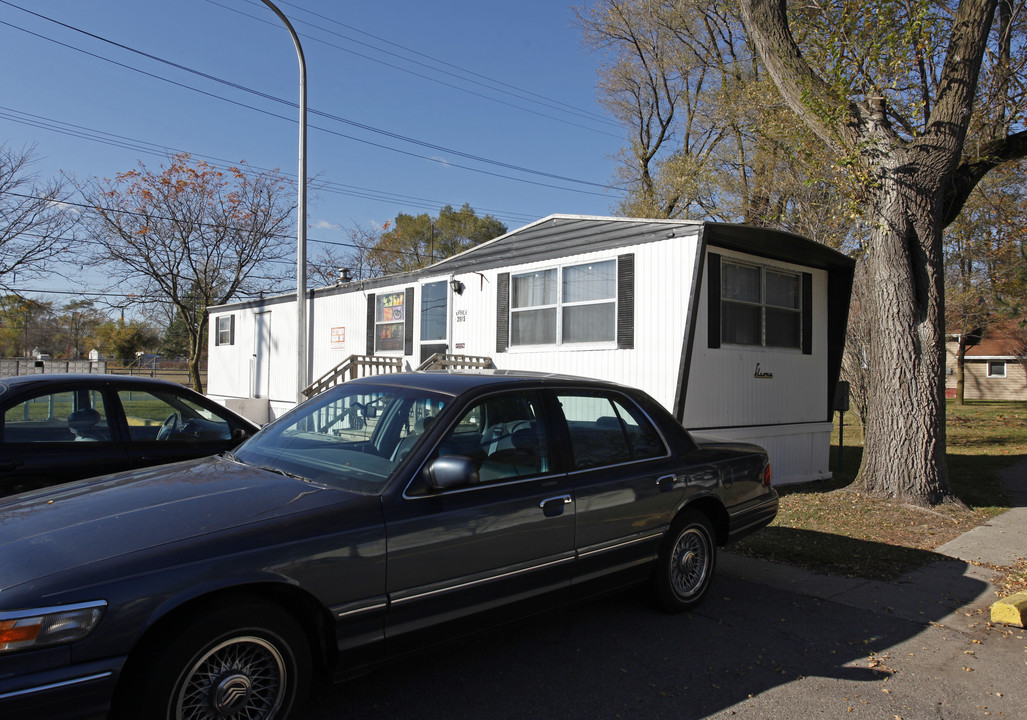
50, 531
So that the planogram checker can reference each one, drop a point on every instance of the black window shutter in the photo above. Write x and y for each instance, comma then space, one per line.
713, 298
807, 314
502, 312
231, 330
408, 325
370, 324
626, 301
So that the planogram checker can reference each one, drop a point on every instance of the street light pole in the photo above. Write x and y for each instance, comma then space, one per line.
301, 217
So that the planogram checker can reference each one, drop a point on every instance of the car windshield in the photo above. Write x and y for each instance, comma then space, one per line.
352, 437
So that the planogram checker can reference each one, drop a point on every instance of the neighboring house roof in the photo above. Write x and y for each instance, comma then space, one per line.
992, 348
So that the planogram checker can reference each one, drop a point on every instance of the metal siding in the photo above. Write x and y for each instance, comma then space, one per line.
662, 283
798, 453
723, 390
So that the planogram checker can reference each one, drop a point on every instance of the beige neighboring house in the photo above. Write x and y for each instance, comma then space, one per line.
991, 371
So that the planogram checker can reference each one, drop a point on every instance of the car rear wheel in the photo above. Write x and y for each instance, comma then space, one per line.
686, 562
236, 662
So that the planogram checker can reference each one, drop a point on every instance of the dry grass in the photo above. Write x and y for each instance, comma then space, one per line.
832, 527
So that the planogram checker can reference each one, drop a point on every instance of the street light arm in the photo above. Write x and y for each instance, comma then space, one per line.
302, 332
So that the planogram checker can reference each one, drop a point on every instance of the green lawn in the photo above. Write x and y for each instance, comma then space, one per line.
831, 526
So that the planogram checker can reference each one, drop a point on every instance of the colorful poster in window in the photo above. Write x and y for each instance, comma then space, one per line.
390, 307
390, 325
389, 337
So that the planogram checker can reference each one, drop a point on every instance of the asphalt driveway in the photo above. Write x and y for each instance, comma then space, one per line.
769, 642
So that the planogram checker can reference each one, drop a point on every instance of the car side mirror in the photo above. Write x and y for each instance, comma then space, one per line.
239, 434
451, 471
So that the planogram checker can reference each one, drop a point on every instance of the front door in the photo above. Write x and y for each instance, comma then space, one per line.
434, 317
262, 355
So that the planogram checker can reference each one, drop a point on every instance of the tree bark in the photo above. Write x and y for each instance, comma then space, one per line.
904, 447
909, 185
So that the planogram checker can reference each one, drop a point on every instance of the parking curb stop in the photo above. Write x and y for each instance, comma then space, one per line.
1011, 610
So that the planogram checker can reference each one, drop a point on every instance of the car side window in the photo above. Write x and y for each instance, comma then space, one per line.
608, 430
166, 416
505, 435
57, 417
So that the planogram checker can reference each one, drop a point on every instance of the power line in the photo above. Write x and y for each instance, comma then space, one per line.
320, 185
519, 93
288, 103
215, 226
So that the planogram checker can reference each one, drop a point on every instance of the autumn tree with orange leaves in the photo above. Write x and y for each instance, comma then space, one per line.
191, 236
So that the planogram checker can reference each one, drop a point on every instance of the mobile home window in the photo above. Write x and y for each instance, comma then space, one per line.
572, 304
225, 330
760, 306
433, 311
533, 308
389, 322
589, 297
996, 369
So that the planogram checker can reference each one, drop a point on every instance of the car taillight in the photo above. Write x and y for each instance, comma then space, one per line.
768, 476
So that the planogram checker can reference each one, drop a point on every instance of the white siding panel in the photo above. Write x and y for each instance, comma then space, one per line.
724, 389
663, 279
798, 453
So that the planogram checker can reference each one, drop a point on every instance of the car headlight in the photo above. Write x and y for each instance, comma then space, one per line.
41, 627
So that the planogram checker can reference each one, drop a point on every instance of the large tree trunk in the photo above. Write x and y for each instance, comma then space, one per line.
904, 453
915, 184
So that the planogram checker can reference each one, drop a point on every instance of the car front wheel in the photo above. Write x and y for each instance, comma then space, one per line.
239, 662
686, 562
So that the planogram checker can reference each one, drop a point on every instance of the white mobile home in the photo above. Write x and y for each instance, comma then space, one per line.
737, 330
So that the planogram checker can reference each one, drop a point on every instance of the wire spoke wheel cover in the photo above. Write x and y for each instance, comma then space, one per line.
690, 562
686, 563
243, 678
238, 660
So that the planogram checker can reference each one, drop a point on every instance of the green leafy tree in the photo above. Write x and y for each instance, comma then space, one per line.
25, 325
123, 340
413, 242
917, 101
191, 237
78, 324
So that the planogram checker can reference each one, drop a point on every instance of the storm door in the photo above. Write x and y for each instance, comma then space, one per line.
434, 318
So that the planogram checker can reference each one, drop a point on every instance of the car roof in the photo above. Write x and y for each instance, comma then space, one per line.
455, 382
29, 382
44, 379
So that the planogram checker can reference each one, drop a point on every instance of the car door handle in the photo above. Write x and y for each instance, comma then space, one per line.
666, 483
10, 465
551, 507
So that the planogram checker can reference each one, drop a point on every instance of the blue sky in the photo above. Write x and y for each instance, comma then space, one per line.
413, 105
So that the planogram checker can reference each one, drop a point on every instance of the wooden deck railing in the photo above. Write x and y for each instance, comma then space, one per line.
353, 367
365, 365
446, 361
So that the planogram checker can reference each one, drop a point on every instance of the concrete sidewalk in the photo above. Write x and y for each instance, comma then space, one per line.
929, 593
956, 664
1002, 540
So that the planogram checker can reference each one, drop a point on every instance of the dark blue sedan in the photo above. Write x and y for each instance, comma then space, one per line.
372, 521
